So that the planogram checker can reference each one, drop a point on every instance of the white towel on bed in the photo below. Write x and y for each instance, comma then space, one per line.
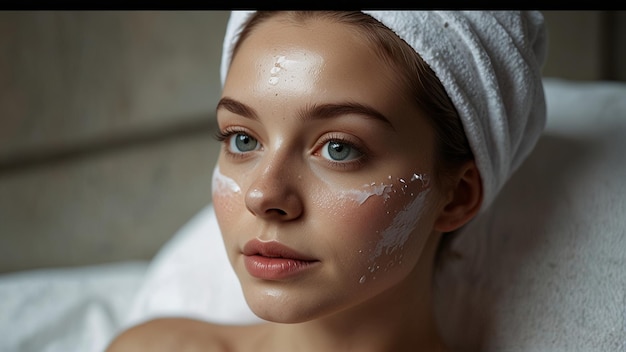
490, 65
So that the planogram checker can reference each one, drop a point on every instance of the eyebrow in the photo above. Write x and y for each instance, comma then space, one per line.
316, 111
237, 107
345, 108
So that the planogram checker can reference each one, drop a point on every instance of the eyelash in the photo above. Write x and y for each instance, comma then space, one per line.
224, 135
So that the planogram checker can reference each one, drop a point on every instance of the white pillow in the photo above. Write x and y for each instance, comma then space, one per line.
191, 276
542, 270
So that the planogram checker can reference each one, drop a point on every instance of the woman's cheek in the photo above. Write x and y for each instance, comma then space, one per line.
376, 222
226, 194
399, 242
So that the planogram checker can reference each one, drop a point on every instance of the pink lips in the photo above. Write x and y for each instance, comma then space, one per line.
274, 261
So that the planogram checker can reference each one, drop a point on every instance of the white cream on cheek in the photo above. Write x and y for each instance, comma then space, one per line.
397, 233
405, 217
222, 184
361, 195
394, 236
381, 189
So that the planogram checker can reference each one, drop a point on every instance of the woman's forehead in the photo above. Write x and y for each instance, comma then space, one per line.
320, 59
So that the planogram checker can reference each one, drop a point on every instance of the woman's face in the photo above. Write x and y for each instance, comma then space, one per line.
323, 185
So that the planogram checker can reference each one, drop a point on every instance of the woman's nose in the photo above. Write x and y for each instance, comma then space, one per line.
274, 194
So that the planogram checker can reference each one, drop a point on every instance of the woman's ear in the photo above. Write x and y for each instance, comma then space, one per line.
463, 199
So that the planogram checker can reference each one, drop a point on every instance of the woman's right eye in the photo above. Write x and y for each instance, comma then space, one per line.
242, 143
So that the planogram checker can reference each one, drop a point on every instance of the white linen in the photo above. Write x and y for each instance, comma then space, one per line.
66, 309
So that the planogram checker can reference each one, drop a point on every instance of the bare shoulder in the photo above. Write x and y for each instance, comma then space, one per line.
182, 334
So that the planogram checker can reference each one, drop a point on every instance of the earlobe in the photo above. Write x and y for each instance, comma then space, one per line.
465, 199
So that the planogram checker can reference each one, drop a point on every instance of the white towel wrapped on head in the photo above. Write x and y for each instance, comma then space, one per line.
490, 65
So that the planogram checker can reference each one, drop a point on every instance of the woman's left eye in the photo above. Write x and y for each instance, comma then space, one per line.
339, 151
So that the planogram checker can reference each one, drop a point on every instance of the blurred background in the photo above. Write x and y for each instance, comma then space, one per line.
107, 123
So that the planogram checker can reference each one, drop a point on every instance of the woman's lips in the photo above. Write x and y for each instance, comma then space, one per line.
274, 261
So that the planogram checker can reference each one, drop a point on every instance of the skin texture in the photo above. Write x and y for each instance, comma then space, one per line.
369, 224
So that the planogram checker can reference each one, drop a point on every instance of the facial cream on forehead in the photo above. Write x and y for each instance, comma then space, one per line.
223, 184
296, 71
274, 71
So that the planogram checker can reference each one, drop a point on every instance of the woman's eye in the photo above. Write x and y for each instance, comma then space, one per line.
339, 151
241, 143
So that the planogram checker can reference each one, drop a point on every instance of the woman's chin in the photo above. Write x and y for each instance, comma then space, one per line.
279, 315
282, 310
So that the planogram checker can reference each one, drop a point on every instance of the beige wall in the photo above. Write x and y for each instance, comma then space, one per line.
106, 124
106, 132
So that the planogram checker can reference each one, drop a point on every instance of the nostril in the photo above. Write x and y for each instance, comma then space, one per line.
279, 211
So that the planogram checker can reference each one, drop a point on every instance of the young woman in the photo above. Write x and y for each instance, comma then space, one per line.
346, 159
